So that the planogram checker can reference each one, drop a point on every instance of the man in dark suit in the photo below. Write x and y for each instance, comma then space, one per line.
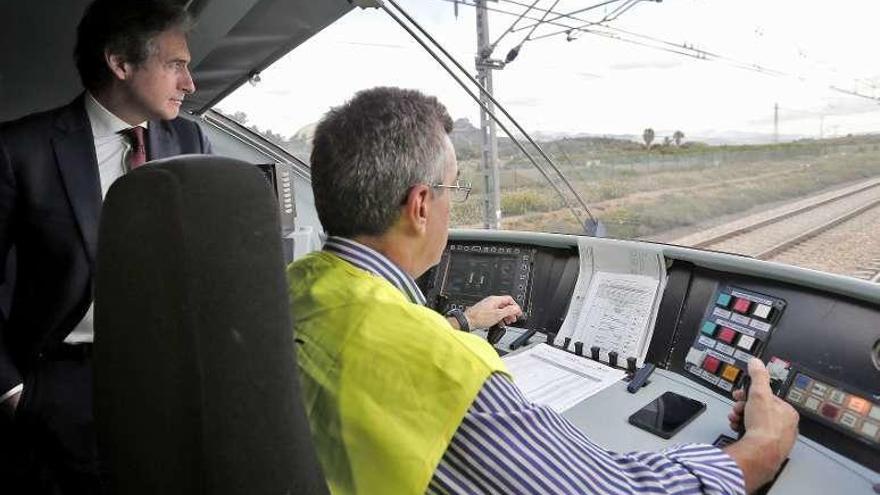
55, 168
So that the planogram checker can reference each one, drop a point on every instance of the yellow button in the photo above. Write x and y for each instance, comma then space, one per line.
859, 405
730, 373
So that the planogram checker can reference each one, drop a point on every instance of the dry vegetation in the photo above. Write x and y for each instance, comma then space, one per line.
641, 194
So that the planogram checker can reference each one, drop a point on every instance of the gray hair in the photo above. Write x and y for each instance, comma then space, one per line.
369, 152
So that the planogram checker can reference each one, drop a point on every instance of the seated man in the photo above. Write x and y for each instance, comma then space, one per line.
398, 401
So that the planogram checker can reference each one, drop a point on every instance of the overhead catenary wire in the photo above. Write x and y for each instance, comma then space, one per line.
538, 24
647, 41
513, 25
580, 202
570, 15
497, 10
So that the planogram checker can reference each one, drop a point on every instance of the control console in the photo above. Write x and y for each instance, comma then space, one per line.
469, 272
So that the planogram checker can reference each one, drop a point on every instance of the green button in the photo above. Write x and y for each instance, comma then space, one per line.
709, 328
723, 300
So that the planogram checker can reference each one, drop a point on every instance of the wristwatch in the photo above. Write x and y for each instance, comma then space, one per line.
460, 318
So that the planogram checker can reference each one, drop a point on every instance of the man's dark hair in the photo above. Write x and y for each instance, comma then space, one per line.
124, 27
369, 152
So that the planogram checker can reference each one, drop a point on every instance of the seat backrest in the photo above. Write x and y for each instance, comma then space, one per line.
196, 387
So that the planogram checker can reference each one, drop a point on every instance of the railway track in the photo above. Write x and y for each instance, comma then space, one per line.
815, 231
713, 238
834, 232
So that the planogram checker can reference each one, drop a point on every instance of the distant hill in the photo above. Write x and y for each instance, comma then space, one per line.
468, 142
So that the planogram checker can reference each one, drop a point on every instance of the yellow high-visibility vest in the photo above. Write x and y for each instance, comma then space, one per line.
385, 382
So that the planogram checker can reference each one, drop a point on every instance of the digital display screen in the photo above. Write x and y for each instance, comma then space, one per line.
471, 272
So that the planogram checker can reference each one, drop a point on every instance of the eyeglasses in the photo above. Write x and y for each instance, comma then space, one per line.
459, 191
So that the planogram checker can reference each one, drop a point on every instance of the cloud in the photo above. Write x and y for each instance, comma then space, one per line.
280, 92
834, 107
646, 65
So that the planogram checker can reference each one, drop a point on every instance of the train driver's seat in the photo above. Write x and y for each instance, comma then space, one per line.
196, 388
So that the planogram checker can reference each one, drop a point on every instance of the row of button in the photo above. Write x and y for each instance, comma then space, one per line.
744, 306
837, 406
728, 336
287, 195
822, 390
713, 368
487, 249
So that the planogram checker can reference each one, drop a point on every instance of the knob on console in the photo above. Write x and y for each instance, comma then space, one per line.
612, 358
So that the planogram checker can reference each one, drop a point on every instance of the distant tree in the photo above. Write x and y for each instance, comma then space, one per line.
270, 135
667, 141
648, 136
239, 117
677, 137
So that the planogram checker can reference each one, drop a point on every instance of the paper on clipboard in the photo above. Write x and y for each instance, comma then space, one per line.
616, 299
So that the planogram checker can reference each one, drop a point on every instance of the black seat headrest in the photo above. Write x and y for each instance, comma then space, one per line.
196, 387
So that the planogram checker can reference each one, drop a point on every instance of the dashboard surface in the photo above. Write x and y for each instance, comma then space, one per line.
821, 342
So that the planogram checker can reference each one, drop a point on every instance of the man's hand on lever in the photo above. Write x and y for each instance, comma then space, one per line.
770, 429
492, 310
489, 311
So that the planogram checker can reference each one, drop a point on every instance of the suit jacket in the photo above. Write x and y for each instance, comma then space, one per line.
50, 204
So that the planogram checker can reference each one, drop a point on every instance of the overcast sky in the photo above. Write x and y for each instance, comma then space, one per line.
597, 85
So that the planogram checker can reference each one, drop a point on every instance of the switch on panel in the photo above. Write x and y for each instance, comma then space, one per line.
741, 305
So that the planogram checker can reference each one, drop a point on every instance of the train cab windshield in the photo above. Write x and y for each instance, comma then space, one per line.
720, 127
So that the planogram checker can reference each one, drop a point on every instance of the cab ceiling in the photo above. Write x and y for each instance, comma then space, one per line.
232, 40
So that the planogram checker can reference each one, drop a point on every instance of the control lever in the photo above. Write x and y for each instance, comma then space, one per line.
523, 339
640, 378
746, 384
496, 331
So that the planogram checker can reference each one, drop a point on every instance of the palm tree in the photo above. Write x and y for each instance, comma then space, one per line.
677, 137
648, 136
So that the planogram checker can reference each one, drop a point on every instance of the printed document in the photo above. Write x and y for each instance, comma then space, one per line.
558, 379
616, 300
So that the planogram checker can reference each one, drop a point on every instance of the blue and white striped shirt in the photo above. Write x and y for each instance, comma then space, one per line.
506, 444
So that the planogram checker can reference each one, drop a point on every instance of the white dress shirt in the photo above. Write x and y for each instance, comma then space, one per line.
111, 150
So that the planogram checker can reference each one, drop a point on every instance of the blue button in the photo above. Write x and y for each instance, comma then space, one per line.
801, 381
709, 328
723, 300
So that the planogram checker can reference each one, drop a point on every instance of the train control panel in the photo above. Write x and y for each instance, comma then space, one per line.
540, 279
819, 339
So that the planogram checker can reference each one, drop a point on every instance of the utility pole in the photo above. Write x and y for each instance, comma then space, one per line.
776, 123
489, 156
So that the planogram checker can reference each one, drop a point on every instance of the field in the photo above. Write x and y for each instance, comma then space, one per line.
666, 191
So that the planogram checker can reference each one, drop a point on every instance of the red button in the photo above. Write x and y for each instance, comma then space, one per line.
830, 411
741, 305
711, 364
726, 335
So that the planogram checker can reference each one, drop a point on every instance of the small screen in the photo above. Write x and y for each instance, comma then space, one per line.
667, 414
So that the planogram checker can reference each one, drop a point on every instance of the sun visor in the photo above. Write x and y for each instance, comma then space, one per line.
236, 38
